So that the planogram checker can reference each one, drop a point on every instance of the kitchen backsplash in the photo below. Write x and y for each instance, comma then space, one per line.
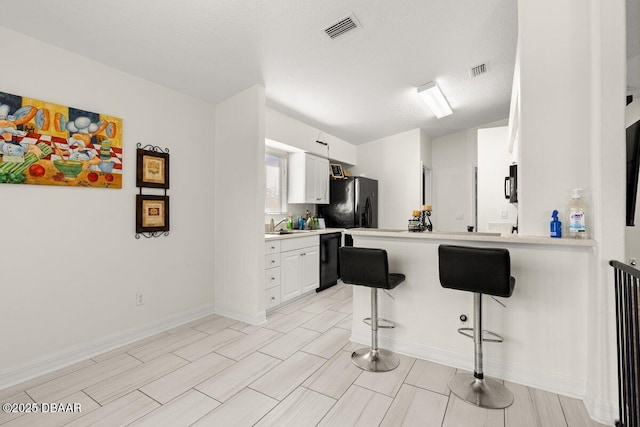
294, 209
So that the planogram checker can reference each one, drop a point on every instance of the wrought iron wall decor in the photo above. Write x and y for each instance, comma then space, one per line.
152, 171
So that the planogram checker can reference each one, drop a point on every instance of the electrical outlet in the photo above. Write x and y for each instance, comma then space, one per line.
504, 214
139, 299
459, 216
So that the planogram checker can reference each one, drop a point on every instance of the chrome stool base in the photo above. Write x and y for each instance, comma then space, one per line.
484, 393
375, 360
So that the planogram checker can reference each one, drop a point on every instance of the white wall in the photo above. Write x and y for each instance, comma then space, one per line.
493, 165
283, 128
426, 157
571, 134
554, 110
72, 266
239, 208
454, 158
395, 162
426, 150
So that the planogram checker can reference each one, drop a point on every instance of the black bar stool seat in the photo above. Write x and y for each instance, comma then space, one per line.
370, 267
481, 271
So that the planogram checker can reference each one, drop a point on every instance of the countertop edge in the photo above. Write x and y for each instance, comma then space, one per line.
531, 240
270, 237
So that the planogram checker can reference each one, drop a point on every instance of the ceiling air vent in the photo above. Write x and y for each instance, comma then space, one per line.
478, 70
342, 26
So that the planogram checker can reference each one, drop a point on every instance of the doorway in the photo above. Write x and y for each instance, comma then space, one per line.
426, 186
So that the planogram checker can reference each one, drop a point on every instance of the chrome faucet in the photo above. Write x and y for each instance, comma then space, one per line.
272, 226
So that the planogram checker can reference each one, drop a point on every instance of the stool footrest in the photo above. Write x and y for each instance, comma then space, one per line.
465, 332
382, 323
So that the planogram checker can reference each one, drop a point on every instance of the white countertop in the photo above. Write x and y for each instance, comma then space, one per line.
303, 233
478, 237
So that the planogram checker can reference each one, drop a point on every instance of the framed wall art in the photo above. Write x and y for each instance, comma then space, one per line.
152, 168
50, 144
152, 171
336, 171
152, 214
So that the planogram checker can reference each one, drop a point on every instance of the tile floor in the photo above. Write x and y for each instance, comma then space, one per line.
295, 370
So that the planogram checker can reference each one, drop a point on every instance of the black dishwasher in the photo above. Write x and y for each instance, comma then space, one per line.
329, 264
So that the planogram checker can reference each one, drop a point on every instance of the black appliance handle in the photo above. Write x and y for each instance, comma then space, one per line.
507, 187
356, 198
323, 250
368, 213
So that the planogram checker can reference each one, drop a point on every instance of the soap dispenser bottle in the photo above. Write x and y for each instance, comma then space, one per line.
555, 226
576, 213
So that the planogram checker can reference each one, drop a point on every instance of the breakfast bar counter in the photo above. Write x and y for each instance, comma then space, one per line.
471, 237
544, 323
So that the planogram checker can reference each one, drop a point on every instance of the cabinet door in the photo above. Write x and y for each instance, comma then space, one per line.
310, 179
290, 275
322, 181
296, 181
310, 269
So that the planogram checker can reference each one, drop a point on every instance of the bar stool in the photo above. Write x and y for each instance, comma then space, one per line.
481, 271
370, 267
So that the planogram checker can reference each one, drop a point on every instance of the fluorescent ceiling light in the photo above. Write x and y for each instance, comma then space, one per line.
435, 100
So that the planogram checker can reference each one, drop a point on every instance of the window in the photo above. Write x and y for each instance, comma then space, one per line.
275, 200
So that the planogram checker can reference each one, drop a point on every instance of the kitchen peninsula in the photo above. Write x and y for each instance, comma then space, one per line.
544, 323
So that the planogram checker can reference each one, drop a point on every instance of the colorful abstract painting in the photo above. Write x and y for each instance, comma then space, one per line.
49, 144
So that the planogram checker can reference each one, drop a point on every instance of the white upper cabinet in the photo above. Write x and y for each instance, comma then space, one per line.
308, 179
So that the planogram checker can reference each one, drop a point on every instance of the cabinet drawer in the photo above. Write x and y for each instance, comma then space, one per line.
271, 277
299, 243
271, 247
272, 260
272, 297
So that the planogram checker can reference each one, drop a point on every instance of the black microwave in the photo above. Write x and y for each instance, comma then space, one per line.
511, 185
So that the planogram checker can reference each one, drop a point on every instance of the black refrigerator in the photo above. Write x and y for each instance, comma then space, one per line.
353, 202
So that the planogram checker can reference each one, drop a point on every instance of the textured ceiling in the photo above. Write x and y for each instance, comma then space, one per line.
359, 87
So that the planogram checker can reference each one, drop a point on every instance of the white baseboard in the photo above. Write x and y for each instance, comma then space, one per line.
258, 319
69, 356
604, 412
548, 381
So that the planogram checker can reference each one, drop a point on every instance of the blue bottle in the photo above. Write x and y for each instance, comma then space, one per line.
555, 225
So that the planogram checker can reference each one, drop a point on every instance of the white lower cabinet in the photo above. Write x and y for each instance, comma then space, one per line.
272, 274
310, 269
290, 279
297, 271
272, 298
